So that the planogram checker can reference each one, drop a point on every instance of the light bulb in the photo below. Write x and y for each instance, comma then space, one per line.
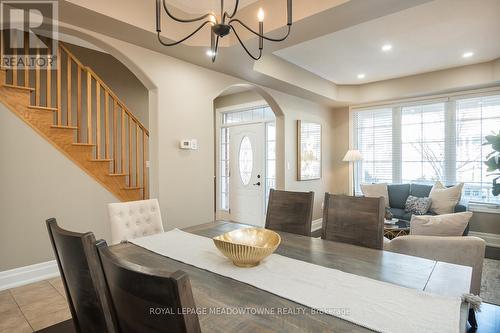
212, 19
260, 15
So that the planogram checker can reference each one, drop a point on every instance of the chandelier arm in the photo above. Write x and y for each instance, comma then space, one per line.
244, 47
183, 39
183, 20
230, 16
259, 35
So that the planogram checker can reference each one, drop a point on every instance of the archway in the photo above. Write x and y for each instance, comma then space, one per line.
245, 99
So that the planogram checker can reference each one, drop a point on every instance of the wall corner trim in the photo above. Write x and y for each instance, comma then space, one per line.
28, 274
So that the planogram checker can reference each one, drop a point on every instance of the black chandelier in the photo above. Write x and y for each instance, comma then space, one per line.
222, 27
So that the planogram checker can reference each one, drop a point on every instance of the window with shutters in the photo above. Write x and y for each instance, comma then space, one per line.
428, 141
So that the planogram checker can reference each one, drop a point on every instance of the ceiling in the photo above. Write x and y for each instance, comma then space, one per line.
424, 38
197, 6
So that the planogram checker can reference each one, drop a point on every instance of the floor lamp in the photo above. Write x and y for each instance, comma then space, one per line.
353, 156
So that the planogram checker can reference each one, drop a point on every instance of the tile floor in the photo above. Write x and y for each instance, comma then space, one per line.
33, 307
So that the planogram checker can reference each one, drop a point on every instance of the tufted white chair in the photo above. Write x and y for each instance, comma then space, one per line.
134, 219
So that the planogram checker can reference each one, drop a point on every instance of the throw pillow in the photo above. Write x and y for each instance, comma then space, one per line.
416, 205
376, 191
444, 199
440, 225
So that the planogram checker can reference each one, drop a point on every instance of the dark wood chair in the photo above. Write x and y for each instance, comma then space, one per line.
82, 278
290, 212
354, 220
141, 295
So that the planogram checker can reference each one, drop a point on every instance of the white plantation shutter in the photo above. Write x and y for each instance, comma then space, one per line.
373, 138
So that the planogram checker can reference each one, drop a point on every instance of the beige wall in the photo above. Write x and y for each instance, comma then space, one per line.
181, 98
38, 182
185, 98
341, 181
237, 99
118, 77
297, 109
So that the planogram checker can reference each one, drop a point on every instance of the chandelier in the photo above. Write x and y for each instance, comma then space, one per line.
221, 27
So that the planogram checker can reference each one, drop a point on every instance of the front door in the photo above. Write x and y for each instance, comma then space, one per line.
247, 161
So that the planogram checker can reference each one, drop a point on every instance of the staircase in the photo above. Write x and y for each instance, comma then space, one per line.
73, 109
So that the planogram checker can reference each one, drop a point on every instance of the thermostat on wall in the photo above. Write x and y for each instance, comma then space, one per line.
190, 144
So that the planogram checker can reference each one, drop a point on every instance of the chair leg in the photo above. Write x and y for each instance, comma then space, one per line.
472, 318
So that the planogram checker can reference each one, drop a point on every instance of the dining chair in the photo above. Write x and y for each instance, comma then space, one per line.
134, 219
82, 278
147, 299
290, 212
354, 220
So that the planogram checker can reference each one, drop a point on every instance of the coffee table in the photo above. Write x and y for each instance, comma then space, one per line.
400, 228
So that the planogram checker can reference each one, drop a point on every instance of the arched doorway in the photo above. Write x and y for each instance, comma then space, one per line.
248, 155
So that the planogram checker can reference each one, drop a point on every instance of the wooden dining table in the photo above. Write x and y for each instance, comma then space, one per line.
227, 305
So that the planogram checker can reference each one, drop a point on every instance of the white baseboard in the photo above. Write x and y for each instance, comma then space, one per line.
317, 224
490, 239
28, 274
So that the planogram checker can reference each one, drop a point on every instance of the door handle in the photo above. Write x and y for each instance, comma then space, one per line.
257, 184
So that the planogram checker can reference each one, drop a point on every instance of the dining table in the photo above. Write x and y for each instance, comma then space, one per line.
234, 306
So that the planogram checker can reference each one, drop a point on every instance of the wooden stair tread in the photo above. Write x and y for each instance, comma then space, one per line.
132, 188
79, 144
18, 87
101, 160
42, 108
64, 127
117, 174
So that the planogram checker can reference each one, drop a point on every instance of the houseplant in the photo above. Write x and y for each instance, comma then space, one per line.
493, 160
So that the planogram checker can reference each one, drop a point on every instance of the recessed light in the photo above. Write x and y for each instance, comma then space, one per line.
361, 76
467, 54
386, 47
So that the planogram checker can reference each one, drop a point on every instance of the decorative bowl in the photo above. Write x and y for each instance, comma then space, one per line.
246, 247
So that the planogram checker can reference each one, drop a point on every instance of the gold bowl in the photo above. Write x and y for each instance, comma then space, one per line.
246, 247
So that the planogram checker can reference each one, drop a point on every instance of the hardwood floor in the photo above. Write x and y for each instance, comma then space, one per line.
41, 305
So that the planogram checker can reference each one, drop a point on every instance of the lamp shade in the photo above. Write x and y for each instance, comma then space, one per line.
353, 156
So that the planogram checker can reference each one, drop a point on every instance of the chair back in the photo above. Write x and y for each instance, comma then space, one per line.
134, 219
82, 278
290, 212
354, 220
146, 299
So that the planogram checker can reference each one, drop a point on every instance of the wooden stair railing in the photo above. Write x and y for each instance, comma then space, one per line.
96, 119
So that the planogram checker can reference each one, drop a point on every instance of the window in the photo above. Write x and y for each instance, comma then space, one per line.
224, 168
270, 159
429, 141
422, 143
476, 118
245, 160
373, 130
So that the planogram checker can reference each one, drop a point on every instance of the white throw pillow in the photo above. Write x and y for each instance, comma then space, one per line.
444, 199
440, 225
376, 191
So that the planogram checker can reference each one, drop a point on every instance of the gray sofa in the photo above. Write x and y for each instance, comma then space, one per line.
398, 193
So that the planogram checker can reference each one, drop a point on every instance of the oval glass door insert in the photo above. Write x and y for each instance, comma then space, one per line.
245, 160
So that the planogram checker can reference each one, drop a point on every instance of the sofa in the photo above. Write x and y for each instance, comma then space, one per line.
466, 251
398, 193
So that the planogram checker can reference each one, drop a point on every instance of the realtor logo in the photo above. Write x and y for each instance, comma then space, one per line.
29, 33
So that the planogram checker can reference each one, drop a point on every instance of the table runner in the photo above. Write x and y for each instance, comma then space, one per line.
377, 305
